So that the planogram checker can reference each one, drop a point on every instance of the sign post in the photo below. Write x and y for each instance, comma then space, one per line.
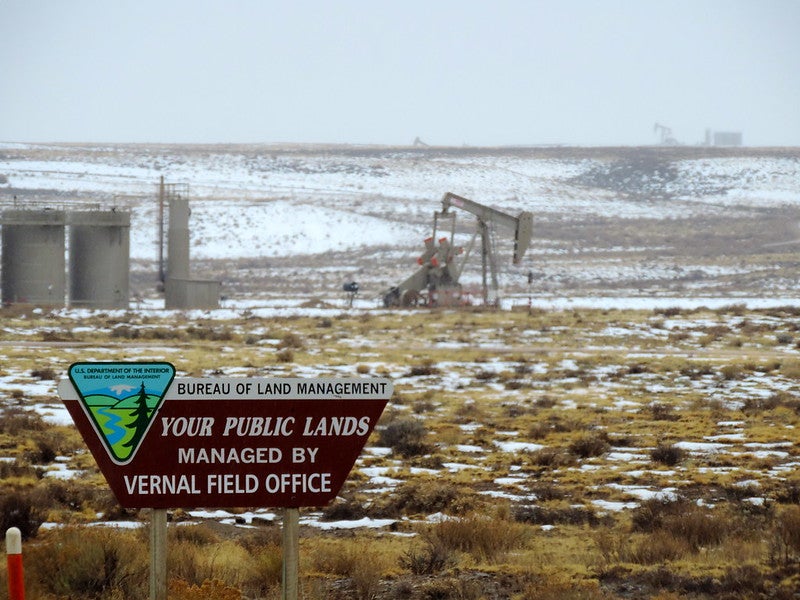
163, 442
158, 554
291, 553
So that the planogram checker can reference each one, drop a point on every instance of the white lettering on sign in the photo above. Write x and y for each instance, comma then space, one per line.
161, 484
188, 426
328, 426
258, 426
196, 456
230, 483
294, 483
299, 455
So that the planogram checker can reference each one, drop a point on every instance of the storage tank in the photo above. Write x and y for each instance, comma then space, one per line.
180, 289
33, 257
99, 258
178, 238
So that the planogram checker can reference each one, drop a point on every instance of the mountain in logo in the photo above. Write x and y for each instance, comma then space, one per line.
121, 400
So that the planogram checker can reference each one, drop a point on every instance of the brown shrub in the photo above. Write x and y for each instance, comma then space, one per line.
594, 444
552, 458
20, 509
554, 424
344, 510
790, 369
732, 372
88, 563
285, 356
44, 374
788, 492
667, 454
72, 495
451, 588
426, 368
558, 588
422, 497
785, 538
658, 547
747, 581
696, 526
196, 535
210, 589
555, 515
363, 564
663, 412
486, 539
405, 437
15, 420
291, 340
430, 558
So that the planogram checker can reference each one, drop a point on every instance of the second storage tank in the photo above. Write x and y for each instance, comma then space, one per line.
99, 258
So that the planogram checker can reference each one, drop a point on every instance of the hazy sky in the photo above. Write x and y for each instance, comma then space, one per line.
453, 72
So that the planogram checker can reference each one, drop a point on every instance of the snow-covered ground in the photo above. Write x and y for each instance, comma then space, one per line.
657, 221
763, 455
538, 181
650, 228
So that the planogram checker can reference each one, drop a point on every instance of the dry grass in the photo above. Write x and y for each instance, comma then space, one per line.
611, 402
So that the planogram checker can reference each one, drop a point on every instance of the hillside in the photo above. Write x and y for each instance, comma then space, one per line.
298, 221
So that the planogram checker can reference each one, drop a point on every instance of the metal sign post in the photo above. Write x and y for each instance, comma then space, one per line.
158, 554
291, 553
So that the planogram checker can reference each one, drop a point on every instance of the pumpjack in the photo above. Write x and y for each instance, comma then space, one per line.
436, 282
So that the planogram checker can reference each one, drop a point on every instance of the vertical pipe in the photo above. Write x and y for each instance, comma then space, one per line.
485, 251
16, 580
158, 554
161, 230
291, 552
530, 292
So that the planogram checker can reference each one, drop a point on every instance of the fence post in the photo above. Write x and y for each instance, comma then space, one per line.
16, 582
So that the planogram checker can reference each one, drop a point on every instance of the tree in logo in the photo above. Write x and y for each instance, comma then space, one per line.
141, 419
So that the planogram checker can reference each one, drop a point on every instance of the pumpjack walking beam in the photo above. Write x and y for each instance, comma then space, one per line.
488, 217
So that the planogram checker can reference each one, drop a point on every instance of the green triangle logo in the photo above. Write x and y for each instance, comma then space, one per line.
121, 400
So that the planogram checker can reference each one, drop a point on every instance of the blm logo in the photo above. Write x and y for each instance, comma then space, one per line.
121, 400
